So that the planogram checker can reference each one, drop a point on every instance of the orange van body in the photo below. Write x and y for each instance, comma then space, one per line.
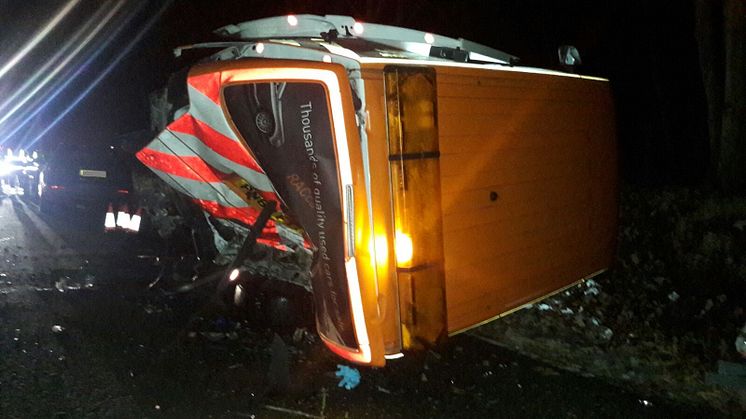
528, 187
436, 195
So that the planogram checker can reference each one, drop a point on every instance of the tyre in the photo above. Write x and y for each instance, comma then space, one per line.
271, 304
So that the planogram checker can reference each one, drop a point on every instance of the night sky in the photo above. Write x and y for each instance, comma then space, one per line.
647, 50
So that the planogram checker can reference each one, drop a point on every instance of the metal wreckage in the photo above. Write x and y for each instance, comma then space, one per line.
416, 185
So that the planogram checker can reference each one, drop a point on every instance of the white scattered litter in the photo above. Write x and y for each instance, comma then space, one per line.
741, 342
673, 296
607, 333
61, 284
57, 328
709, 304
544, 307
592, 291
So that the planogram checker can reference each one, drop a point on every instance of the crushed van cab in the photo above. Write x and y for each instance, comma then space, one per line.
436, 184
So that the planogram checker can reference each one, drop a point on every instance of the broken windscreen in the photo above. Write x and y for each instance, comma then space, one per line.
287, 127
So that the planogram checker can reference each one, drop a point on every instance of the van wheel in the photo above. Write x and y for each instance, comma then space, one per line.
280, 306
287, 307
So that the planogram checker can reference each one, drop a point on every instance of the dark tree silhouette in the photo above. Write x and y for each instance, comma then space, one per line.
721, 37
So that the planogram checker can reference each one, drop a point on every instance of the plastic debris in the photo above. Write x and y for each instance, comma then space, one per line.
607, 333
708, 306
291, 412
57, 328
89, 280
150, 309
324, 394
350, 377
457, 390
741, 342
592, 291
73, 280
567, 311
673, 296
61, 284
299, 334
544, 307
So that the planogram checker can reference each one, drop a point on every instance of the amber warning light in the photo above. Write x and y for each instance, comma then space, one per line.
404, 249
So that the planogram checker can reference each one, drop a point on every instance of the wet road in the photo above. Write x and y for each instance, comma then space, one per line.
122, 350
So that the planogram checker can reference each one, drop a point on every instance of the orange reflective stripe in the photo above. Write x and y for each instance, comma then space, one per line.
223, 145
208, 84
191, 167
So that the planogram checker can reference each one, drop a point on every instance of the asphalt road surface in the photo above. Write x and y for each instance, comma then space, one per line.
82, 335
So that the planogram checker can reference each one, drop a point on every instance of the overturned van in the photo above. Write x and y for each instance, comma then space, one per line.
437, 184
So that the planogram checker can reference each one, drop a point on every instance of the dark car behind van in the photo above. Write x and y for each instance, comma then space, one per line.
84, 179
